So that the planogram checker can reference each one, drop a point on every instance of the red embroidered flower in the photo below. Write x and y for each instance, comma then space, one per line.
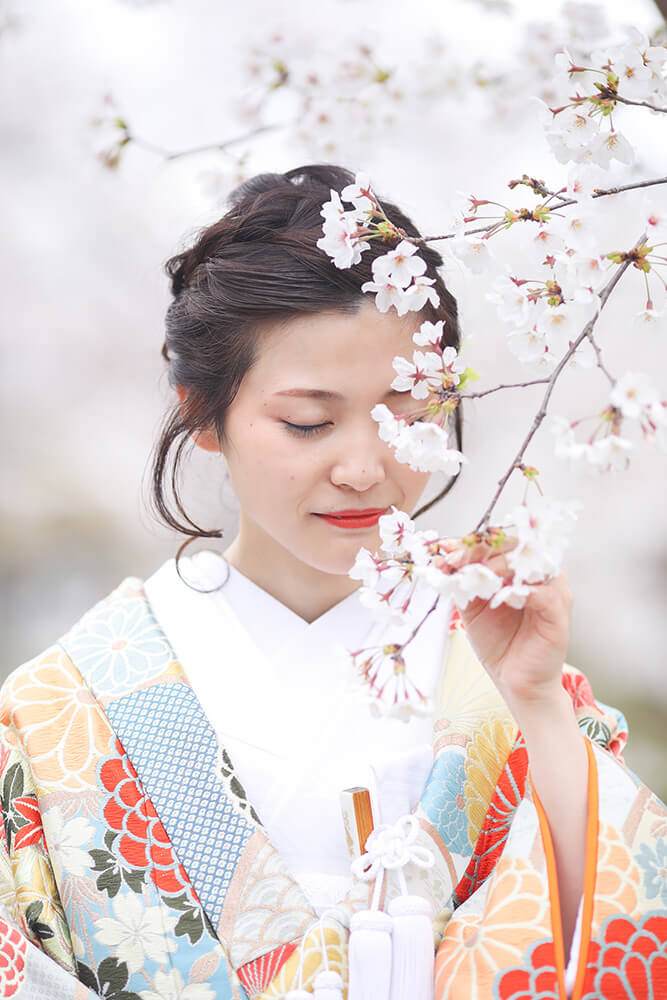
578, 688
12, 959
32, 831
496, 826
630, 960
538, 979
144, 842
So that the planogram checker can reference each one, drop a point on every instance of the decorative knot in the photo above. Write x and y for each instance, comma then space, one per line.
391, 847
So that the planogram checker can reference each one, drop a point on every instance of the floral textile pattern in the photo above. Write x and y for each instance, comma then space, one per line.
496, 826
537, 977
12, 959
629, 961
44, 698
128, 811
117, 644
478, 946
654, 866
443, 801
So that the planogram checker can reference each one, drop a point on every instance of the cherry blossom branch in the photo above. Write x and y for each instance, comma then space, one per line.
512, 385
639, 104
210, 147
541, 413
598, 354
563, 203
419, 625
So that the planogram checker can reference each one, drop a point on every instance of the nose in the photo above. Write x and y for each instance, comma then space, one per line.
361, 456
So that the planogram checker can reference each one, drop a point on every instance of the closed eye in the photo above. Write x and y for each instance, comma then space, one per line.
304, 430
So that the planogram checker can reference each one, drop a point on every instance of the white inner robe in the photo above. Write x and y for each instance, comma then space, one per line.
285, 702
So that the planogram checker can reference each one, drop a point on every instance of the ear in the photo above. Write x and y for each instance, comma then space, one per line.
206, 439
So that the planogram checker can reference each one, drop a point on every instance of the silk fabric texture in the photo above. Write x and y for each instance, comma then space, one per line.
133, 864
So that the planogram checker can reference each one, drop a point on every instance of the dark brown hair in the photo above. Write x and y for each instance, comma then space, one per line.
256, 265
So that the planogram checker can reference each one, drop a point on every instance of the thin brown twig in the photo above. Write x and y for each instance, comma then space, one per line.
512, 385
541, 413
208, 148
563, 203
419, 625
598, 354
639, 104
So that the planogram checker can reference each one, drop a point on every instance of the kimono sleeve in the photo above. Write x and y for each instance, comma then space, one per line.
36, 958
504, 938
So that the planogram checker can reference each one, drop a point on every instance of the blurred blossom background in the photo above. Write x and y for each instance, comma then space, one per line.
431, 98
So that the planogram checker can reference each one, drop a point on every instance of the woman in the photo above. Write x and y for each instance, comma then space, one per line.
172, 767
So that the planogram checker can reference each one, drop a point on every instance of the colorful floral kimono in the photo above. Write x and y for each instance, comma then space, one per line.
133, 866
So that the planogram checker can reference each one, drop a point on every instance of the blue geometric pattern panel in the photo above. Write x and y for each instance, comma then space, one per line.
174, 751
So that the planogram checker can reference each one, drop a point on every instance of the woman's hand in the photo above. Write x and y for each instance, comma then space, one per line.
523, 649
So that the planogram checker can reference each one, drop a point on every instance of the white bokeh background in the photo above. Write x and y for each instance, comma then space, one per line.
83, 386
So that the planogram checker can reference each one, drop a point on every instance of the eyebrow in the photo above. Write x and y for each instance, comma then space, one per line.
326, 393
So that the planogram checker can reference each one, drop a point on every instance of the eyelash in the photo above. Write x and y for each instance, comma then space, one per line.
305, 430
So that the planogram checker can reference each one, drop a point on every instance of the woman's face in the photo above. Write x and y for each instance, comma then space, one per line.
300, 442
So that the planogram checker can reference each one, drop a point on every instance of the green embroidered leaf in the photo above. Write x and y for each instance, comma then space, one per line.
109, 882
87, 976
134, 877
112, 975
178, 902
109, 838
12, 786
34, 911
102, 860
191, 924
596, 730
32, 915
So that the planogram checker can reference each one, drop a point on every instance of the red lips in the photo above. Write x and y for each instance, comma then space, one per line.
354, 518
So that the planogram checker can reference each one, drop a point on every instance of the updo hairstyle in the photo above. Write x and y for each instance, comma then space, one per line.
256, 265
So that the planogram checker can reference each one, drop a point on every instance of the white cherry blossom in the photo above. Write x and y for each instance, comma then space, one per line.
359, 193
171, 986
610, 146
137, 931
390, 426
420, 376
566, 444
655, 221
514, 595
582, 180
429, 334
386, 295
527, 345
474, 254
471, 581
365, 568
571, 135
632, 393
541, 538
395, 529
68, 843
610, 452
511, 299
399, 266
425, 448
417, 294
651, 319
634, 78
340, 242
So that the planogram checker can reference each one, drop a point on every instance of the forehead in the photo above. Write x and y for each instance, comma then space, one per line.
327, 349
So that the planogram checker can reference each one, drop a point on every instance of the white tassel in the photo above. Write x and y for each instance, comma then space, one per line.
299, 995
369, 955
413, 953
328, 986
